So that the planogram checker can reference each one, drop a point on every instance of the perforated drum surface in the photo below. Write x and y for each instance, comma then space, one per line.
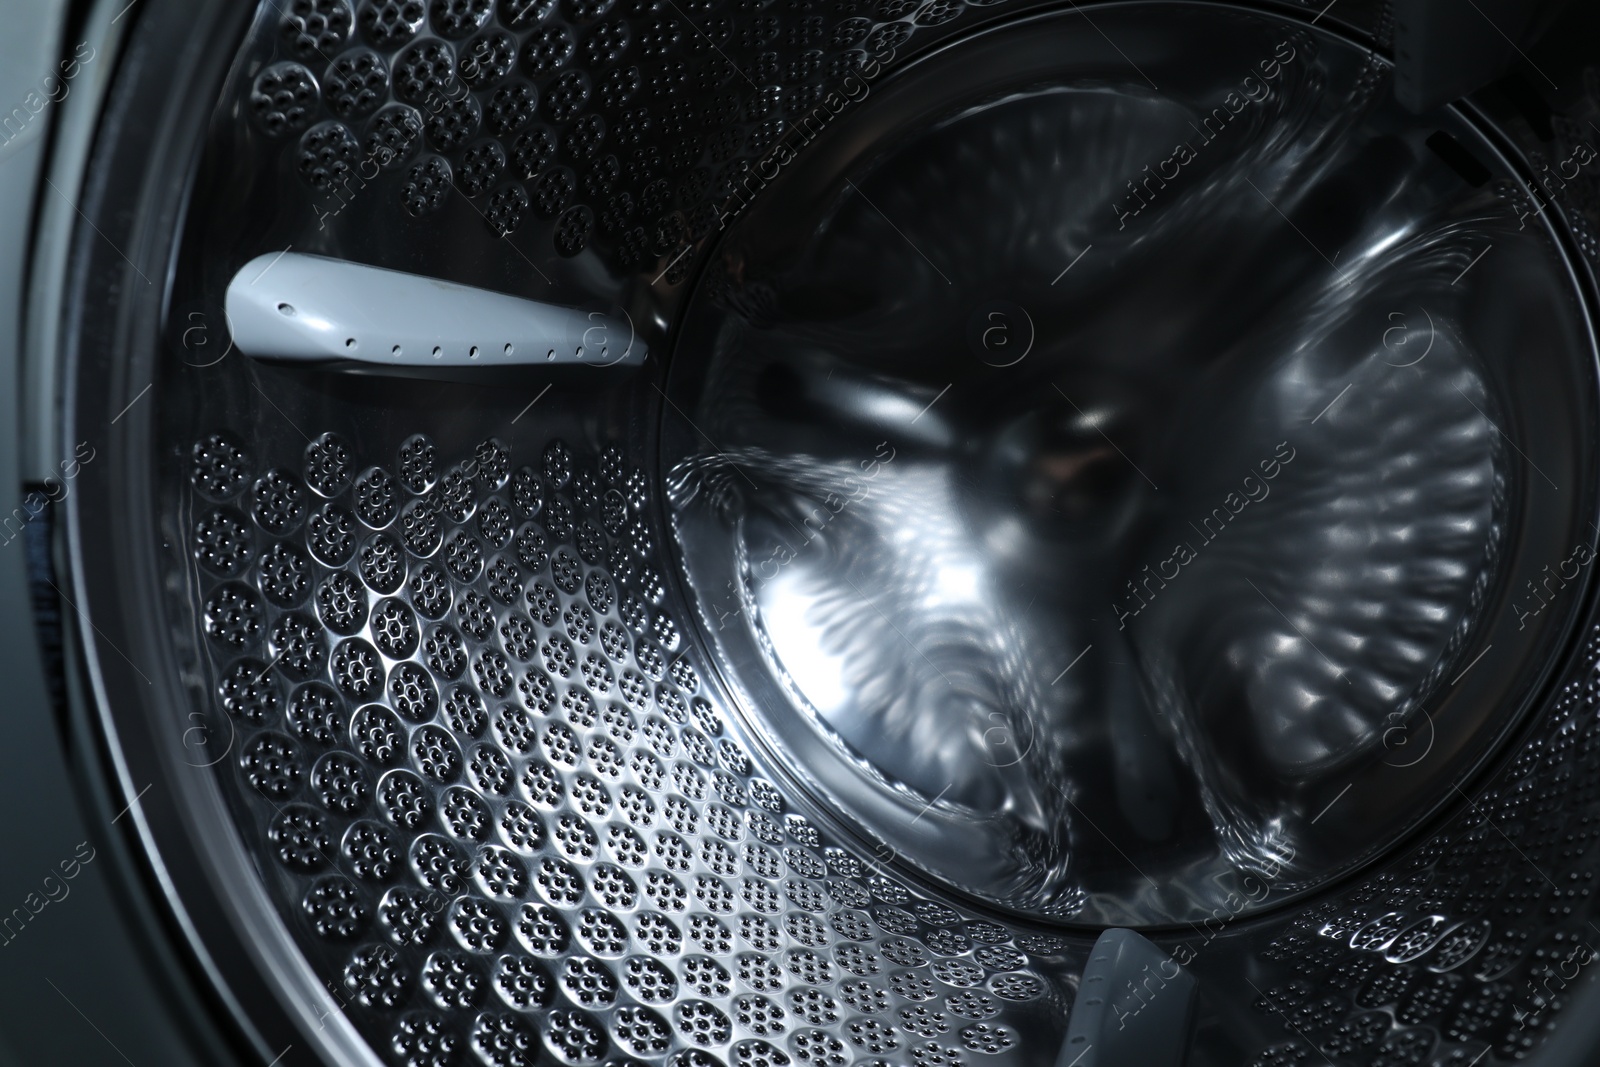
504, 807
500, 798
503, 810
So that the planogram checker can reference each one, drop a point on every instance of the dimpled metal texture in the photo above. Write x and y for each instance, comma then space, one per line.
1458, 950
501, 807
623, 126
507, 817
498, 795
1464, 948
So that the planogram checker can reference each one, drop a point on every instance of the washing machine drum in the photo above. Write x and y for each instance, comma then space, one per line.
736, 533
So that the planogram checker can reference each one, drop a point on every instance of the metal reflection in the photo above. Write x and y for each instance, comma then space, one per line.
1093, 633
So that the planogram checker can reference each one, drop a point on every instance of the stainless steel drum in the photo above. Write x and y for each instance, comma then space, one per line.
740, 533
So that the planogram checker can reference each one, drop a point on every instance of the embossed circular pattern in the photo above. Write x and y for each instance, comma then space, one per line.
1466, 949
627, 126
507, 812
507, 817
574, 859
